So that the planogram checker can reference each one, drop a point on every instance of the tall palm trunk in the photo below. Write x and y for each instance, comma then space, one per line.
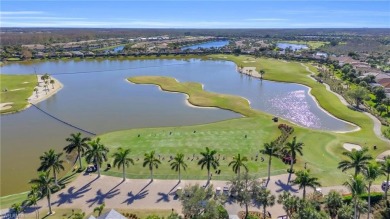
208, 174
238, 171
48, 202
355, 204
269, 168
79, 154
179, 175
151, 173
98, 169
304, 193
264, 211
124, 174
369, 200
246, 210
291, 167
387, 183
55, 177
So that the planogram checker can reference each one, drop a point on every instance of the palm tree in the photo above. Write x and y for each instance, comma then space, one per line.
333, 202
272, 150
36, 91
371, 173
209, 161
76, 142
178, 163
99, 209
292, 148
97, 153
386, 170
357, 159
44, 184
303, 179
17, 208
32, 199
52, 82
51, 161
121, 158
152, 162
262, 72
237, 163
357, 186
265, 198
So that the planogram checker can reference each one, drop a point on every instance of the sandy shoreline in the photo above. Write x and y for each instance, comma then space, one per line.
42, 93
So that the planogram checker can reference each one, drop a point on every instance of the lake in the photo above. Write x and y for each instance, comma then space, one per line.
97, 98
207, 45
292, 46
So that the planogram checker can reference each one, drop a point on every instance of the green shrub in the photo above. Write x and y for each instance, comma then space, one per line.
375, 197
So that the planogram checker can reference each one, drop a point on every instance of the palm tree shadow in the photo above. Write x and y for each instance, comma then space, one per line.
285, 187
70, 195
100, 196
164, 197
132, 198
31, 209
173, 188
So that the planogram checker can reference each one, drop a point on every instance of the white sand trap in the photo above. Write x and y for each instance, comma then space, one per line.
248, 61
18, 89
350, 147
5, 106
26, 82
383, 155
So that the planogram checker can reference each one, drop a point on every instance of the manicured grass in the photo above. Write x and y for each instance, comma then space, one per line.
322, 150
9, 200
108, 47
311, 44
18, 97
143, 213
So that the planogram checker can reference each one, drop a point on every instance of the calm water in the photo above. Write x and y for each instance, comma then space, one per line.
100, 100
292, 46
207, 45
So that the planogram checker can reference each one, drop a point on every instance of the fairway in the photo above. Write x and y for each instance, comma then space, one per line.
19, 88
322, 150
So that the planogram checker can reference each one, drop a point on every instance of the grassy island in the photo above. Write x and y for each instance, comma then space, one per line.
15, 89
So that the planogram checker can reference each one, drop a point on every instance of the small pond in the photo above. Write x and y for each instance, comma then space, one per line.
207, 45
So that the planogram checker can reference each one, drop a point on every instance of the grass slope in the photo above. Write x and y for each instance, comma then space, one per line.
311, 44
18, 97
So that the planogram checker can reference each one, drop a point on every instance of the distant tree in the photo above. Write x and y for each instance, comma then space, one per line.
357, 160
303, 180
199, 202
357, 186
122, 159
99, 209
379, 93
264, 197
386, 102
289, 202
77, 142
381, 109
26, 53
50, 160
44, 183
333, 202
262, 72
17, 208
386, 170
358, 94
372, 173
237, 163
151, 161
346, 212
209, 160
272, 150
96, 153
52, 82
36, 91
292, 148
178, 163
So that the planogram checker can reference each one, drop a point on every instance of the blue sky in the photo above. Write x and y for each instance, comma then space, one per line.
195, 14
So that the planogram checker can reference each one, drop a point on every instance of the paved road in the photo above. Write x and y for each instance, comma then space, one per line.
88, 191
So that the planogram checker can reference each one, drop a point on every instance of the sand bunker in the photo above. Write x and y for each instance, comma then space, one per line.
5, 106
26, 82
350, 147
383, 155
17, 89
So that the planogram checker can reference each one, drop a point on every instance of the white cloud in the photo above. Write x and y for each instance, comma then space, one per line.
20, 12
266, 19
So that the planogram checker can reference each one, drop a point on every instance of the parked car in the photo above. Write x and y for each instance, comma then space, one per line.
385, 186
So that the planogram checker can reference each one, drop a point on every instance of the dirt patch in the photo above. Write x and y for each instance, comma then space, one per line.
383, 155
